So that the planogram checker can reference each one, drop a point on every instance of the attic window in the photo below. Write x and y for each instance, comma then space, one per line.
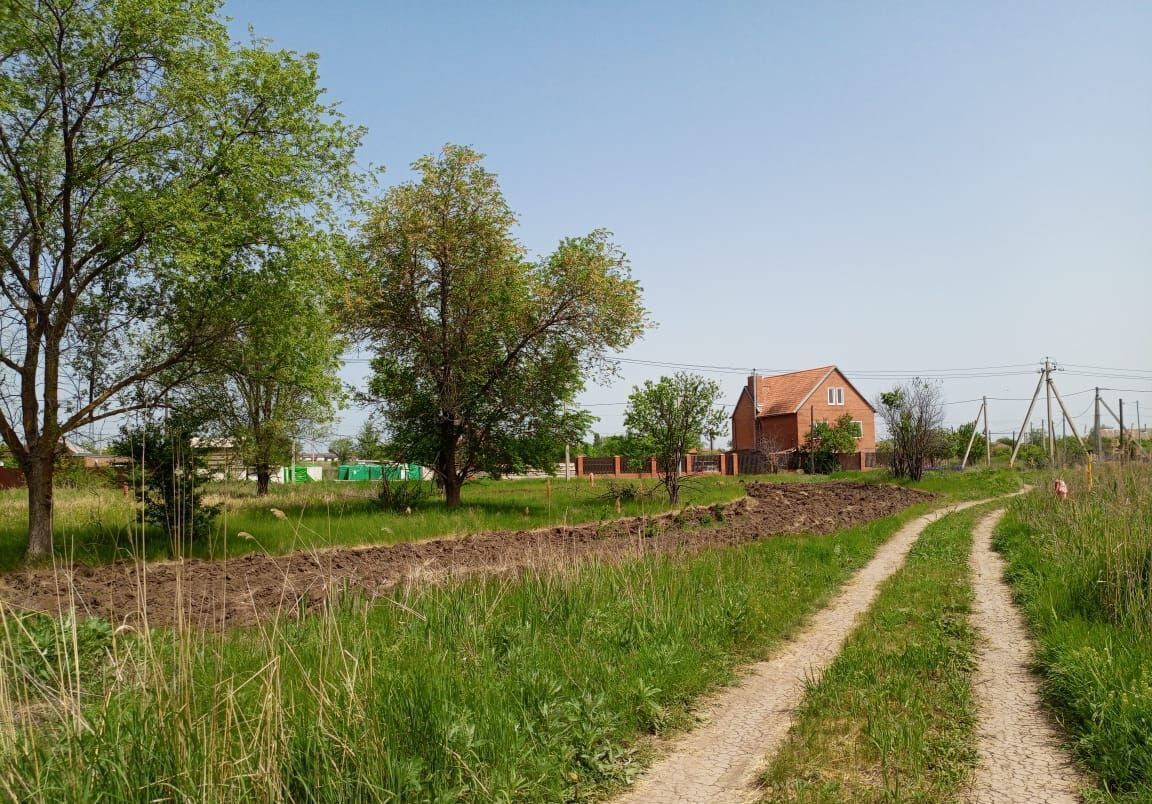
835, 396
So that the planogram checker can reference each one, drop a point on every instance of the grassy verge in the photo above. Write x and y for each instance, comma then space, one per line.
1083, 571
892, 719
538, 688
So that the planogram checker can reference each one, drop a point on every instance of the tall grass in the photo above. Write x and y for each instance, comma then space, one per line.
1083, 570
539, 687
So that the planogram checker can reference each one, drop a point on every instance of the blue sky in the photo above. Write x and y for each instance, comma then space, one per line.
896, 188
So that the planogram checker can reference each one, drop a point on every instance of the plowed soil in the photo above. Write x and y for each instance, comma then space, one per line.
242, 590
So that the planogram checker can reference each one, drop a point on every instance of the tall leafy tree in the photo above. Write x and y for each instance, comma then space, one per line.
477, 348
148, 166
275, 378
670, 416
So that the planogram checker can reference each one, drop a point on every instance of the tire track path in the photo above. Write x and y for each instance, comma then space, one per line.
743, 725
1020, 755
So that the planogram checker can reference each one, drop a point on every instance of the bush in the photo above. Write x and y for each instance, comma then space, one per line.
401, 495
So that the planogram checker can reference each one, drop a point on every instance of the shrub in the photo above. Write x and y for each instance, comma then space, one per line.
401, 495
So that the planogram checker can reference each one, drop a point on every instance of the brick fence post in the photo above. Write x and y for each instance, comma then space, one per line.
616, 465
652, 466
723, 464
688, 463
735, 463
579, 466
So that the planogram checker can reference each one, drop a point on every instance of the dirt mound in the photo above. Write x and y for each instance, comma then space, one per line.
240, 591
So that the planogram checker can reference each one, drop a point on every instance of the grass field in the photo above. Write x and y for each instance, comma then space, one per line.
540, 688
893, 717
97, 525
1083, 571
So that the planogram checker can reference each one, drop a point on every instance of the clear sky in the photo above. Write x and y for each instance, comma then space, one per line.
896, 188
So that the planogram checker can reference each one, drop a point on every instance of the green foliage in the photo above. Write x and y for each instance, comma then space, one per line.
167, 164
958, 443
669, 417
825, 442
43, 649
401, 496
477, 349
344, 449
170, 493
913, 414
1081, 569
276, 378
369, 444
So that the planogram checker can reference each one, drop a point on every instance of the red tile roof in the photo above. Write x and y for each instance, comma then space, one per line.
785, 393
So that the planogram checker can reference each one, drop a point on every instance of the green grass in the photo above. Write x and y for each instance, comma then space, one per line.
538, 688
1083, 571
892, 718
96, 525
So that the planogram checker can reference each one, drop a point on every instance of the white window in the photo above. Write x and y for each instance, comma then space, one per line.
835, 396
859, 428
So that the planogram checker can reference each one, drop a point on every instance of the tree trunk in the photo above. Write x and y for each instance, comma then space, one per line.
263, 478
452, 491
38, 474
446, 465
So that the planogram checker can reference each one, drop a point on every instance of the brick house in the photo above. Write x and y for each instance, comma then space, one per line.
785, 406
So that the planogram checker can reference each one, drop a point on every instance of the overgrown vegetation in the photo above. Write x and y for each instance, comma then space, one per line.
1083, 570
168, 480
892, 718
538, 688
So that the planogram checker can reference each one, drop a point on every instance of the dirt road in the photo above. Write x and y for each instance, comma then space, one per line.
1020, 755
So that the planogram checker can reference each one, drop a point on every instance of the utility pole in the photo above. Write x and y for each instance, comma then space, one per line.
1121, 429
972, 437
1099, 445
1027, 417
1051, 431
987, 437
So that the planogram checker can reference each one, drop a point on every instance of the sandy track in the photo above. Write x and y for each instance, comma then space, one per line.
744, 725
1020, 755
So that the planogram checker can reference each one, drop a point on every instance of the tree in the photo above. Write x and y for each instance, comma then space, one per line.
171, 474
958, 443
913, 414
477, 349
344, 449
276, 378
369, 443
670, 416
826, 442
148, 166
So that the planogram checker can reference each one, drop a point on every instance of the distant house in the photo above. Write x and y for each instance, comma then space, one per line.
90, 459
774, 414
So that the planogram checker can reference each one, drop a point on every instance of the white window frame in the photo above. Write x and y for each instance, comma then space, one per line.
835, 395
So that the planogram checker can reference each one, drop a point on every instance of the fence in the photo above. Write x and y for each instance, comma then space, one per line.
621, 466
